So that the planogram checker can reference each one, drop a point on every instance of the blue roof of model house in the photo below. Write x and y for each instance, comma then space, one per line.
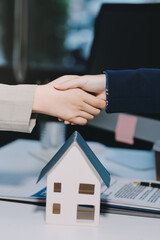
76, 137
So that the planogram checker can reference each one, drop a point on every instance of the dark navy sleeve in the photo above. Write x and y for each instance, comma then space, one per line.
133, 91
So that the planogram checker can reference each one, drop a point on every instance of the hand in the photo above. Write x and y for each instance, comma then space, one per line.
73, 105
95, 84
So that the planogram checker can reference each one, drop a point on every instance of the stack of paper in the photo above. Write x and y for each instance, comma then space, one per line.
126, 197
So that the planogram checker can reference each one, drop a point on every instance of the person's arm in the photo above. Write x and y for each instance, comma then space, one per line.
19, 102
131, 91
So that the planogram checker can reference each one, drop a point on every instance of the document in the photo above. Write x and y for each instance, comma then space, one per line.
124, 196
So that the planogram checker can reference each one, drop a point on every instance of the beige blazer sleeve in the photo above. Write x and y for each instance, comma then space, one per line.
16, 107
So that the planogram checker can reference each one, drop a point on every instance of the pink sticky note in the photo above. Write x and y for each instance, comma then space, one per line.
125, 129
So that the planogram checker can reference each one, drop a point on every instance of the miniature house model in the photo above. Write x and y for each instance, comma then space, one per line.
74, 177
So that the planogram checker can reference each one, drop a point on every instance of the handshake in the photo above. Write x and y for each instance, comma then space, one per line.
72, 99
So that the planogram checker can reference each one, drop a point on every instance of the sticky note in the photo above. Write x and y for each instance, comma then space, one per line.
125, 128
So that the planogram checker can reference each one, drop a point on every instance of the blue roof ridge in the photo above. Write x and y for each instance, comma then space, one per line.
75, 136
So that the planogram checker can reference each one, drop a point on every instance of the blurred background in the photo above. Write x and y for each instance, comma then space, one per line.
42, 40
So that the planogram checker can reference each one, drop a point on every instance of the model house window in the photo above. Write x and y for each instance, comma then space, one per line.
86, 188
85, 212
57, 187
56, 208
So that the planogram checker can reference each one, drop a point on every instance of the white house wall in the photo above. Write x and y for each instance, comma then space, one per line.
71, 170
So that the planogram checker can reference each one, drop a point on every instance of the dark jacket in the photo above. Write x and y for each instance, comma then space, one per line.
134, 91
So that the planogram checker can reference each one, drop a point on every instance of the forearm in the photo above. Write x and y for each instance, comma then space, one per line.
16, 107
133, 91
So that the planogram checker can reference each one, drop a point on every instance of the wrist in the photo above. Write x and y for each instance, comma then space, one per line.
38, 98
